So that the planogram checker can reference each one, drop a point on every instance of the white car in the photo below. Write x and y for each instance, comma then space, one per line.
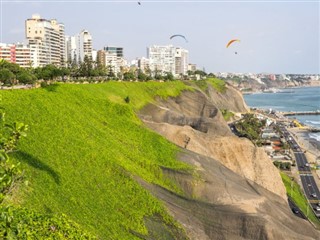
317, 208
313, 195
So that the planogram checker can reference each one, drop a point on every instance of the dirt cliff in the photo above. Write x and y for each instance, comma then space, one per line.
236, 193
220, 204
192, 121
231, 99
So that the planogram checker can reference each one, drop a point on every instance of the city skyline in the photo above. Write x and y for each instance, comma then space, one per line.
277, 37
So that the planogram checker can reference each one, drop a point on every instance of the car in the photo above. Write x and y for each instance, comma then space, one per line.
307, 164
295, 210
313, 195
317, 208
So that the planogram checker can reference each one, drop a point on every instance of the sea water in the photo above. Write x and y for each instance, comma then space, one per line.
293, 99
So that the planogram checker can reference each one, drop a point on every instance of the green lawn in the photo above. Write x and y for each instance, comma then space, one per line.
216, 83
84, 146
299, 198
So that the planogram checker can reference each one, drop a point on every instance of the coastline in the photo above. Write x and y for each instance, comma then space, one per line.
308, 144
258, 91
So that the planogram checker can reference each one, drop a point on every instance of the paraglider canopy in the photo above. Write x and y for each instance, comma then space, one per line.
179, 35
232, 41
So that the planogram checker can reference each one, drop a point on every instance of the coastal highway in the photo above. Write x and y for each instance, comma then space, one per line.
308, 183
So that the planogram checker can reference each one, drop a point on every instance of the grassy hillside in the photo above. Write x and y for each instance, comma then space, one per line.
216, 83
84, 146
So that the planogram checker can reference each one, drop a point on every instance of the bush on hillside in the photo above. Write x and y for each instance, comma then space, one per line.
22, 223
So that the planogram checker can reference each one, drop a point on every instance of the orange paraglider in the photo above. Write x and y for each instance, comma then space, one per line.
232, 41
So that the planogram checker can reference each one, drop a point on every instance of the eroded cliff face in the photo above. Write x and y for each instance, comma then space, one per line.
231, 99
236, 193
220, 204
193, 122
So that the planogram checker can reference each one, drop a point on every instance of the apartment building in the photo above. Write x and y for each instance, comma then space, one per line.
79, 46
118, 51
84, 45
167, 58
181, 61
46, 40
112, 58
16, 53
71, 49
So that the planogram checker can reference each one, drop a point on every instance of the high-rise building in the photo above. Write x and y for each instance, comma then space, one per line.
79, 46
101, 57
112, 58
84, 45
16, 53
163, 59
46, 39
181, 61
71, 50
116, 50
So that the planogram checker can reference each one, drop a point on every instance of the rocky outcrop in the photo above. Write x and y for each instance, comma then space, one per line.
231, 99
193, 122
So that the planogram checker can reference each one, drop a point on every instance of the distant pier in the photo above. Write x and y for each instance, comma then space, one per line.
301, 113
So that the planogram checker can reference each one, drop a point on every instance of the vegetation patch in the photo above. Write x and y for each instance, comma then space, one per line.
202, 84
21, 223
250, 127
227, 115
217, 84
296, 194
83, 148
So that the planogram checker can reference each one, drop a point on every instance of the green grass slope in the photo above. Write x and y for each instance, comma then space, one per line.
295, 192
84, 148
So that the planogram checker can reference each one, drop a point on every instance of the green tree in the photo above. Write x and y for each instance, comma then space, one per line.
142, 76
26, 78
86, 67
6, 76
128, 76
168, 76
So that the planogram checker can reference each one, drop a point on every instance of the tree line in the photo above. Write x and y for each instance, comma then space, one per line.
12, 74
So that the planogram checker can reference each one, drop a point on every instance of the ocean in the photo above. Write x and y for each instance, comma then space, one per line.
293, 99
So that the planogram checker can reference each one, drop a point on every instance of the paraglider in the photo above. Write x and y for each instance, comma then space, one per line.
179, 35
232, 41
139, 3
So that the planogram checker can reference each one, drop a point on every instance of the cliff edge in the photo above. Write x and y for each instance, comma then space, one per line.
237, 192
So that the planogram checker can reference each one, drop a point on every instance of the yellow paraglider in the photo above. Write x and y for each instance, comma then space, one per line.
232, 41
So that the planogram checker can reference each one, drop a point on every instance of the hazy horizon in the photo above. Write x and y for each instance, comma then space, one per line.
276, 36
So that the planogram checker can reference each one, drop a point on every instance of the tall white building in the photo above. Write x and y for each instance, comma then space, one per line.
71, 49
79, 46
168, 58
46, 41
84, 45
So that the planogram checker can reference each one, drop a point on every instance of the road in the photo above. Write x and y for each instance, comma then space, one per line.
309, 185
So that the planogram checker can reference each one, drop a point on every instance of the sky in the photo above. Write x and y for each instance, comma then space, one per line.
276, 36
